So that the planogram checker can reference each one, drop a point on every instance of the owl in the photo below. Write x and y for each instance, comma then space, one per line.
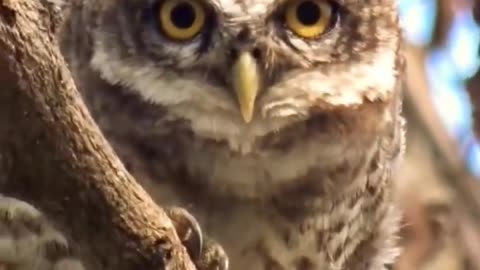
275, 124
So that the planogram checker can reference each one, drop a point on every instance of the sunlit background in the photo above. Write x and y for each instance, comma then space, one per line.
447, 67
438, 188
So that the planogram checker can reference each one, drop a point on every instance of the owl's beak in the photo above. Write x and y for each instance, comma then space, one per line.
246, 83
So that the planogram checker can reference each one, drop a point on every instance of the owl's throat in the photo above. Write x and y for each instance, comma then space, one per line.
301, 159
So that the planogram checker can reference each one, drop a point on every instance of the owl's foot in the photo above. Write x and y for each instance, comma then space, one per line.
187, 229
206, 253
28, 241
213, 256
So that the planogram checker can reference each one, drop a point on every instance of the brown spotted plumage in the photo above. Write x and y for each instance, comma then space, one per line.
299, 180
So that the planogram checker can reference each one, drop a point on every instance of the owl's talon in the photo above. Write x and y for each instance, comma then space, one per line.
188, 229
213, 257
15, 212
206, 253
29, 241
55, 245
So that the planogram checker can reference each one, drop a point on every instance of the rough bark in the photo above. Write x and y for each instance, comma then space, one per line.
53, 155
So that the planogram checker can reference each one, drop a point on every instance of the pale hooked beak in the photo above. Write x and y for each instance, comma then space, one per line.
246, 83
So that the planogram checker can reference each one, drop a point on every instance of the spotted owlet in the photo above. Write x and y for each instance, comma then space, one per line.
275, 123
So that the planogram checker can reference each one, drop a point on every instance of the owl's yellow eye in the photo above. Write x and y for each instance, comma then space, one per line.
181, 19
308, 18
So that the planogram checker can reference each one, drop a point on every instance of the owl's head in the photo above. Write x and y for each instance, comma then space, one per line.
244, 68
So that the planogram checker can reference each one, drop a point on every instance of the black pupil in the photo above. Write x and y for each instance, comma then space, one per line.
183, 15
308, 13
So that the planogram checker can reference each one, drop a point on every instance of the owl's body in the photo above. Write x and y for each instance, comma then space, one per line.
302, 179
317, 216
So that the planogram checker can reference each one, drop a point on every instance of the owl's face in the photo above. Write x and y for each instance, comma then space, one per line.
240, 69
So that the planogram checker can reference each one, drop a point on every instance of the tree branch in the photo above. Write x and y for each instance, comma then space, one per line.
55, 157
473, 85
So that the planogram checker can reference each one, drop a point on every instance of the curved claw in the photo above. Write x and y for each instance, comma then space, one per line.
213, 257
188, 229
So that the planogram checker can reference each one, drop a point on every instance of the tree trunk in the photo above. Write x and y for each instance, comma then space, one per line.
473, 85
53, 155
